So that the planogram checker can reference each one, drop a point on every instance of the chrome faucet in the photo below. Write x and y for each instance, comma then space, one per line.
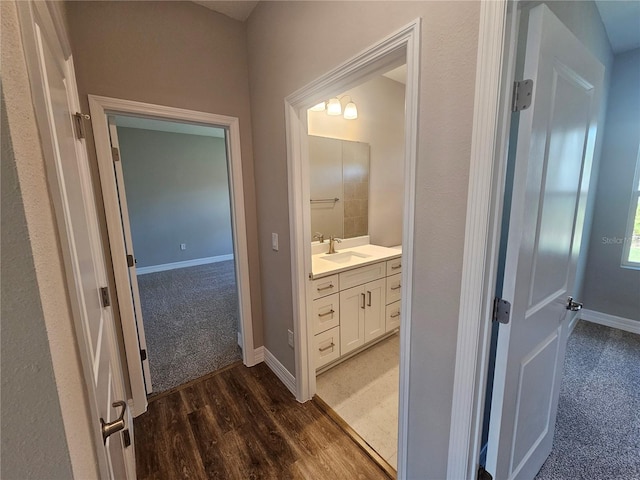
319, 236
332, 243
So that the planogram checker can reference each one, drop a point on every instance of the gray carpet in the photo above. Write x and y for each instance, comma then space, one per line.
191, 322
598, 425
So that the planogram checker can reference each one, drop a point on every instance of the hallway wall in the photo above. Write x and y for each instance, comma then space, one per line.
170, 53
290, 45
46, 423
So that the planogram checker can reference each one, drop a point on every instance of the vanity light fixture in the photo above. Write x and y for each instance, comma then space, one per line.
334, 108
350, 111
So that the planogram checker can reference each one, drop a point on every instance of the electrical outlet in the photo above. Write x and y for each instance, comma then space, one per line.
183, 246
290, 333
274, 242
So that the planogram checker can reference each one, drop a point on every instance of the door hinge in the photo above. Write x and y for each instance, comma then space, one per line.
130, 261
115, 153
143, 355
78, 123
126, 438
522, 95
483, 474
501, 310
104, 295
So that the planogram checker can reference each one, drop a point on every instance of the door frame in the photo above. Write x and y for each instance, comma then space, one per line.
403, 44
100, 108
497, 45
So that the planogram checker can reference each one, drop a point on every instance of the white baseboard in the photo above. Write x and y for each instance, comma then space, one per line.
258, 355
187, 263
621, 323
281, 372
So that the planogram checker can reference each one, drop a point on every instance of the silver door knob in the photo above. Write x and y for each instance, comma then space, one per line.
573, 305
110, 428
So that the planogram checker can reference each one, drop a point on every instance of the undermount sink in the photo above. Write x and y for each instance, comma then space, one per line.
344, 257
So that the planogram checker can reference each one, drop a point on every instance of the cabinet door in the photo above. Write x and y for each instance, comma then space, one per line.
352, 308
393, 288
327, 347
393, 316
374, 315
325, 313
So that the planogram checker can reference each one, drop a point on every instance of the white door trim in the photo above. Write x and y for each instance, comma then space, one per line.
403, 44
491, 120
102, 106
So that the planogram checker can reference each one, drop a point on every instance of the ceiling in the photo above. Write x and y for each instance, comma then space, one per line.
621, 20
398, 74
236, 9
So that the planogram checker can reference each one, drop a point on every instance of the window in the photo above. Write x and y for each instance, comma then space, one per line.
631, 255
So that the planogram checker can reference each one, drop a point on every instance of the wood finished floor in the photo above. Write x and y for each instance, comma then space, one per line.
242, 423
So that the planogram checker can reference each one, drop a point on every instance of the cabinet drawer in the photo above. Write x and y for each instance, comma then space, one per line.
394, 266
324, 286
326, 313
394, 288
358, 276
327, 347
393, 317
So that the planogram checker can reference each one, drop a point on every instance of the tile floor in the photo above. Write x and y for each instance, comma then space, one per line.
364, 392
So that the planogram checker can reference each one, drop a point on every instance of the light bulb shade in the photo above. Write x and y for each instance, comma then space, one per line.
350, 111
334, 107
319, 107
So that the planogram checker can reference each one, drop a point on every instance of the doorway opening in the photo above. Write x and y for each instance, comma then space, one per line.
356, 178
172, 188
357, 284
175, 207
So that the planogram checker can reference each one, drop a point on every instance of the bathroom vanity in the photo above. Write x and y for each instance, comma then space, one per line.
356, 300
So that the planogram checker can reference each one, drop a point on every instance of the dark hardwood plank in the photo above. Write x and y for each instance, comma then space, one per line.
178, 448
209, 438
243, 423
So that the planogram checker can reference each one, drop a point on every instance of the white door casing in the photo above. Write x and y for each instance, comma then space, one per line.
555, 145
101, 108
128, 242
55, 95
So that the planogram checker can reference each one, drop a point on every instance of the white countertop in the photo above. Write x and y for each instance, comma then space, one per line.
324, 264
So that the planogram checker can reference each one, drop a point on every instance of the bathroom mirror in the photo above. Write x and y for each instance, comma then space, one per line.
339, 187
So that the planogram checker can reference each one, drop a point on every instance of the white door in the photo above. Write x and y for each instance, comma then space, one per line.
53, 80
555, 142
128, 243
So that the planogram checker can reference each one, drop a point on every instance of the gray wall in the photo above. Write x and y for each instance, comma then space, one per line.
289, 46
609, 287
33, 434
169, 53
177, 192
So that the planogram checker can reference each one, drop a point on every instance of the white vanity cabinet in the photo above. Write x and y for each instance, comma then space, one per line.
393, 294
353, 308
362, 315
